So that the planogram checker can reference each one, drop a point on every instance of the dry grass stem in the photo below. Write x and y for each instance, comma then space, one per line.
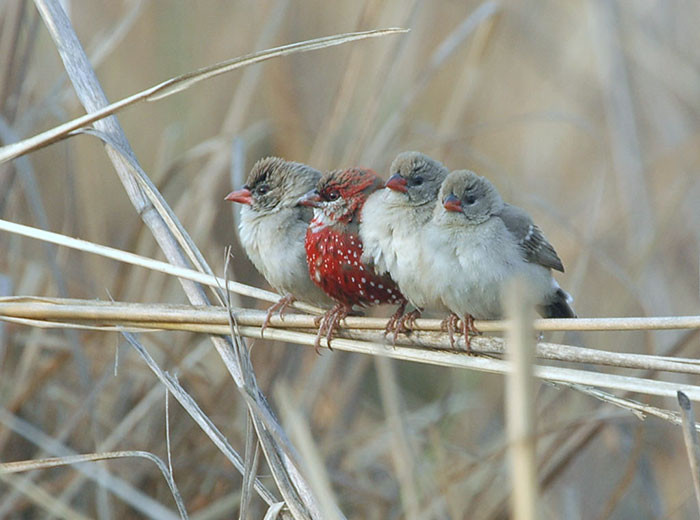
520, 403
154, 265
53, 462
178, 84
105, 315
458, 359
690, 436
592, 128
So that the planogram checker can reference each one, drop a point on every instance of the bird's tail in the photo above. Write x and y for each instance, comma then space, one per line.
558, 305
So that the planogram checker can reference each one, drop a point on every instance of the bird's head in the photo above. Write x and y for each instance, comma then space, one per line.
340, 194
416, 177
274, 184
469, 196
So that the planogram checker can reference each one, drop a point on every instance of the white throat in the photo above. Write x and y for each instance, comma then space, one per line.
320, 221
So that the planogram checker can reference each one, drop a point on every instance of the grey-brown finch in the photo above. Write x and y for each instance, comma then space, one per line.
273, 226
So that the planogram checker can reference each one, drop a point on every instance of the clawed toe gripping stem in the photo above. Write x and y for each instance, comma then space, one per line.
281, 307
450, 324
329, 323
469, 329
405, 323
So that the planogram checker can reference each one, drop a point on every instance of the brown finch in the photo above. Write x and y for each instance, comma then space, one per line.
273, 226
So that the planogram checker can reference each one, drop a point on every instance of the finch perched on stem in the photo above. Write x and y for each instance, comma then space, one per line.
334, 247
477, 242
273, 226
393, 223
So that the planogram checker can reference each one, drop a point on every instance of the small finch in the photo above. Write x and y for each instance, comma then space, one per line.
478, 242
334, 247
393, 224
273, 226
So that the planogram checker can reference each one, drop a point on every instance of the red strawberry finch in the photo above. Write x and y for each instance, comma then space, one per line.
273, 226
393, 222
481, 242
334, 247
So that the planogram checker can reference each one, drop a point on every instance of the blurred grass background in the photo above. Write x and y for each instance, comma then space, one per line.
585, 113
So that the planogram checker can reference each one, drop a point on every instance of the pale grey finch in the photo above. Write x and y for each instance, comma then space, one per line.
273, 226
393, 220
477, 242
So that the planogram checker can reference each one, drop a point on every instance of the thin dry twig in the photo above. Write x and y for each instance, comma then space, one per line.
137, 499
178, 84
690, 436
53, 462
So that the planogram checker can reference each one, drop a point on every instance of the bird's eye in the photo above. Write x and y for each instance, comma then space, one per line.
262, 189
333, 195
417, 181
470, 199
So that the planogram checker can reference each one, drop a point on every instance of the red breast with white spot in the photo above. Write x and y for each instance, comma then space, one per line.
333, 245
335, 266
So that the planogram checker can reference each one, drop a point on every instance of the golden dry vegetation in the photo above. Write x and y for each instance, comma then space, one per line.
585, 113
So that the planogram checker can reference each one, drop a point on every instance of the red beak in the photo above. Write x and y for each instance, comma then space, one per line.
452, 203
311, 198
397, 183
242, 196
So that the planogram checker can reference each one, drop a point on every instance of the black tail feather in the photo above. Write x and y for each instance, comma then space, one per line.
558, 306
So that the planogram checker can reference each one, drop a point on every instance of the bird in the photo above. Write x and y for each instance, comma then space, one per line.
477, 242
334, 247
273, 226
393, 220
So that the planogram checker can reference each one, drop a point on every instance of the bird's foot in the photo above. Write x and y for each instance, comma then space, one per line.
468, 329
449, 325
280, 307
341, 311
394, 319
406, 323
396, 323
329, 323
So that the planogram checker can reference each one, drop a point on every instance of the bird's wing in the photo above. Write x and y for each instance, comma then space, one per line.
532, 242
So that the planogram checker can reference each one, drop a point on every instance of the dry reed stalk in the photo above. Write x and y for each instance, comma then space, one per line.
104, 315
53, 462
520, 403
454, 359
178, 84
690, 436
529, 159
181, 272
401, 450
313, 461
